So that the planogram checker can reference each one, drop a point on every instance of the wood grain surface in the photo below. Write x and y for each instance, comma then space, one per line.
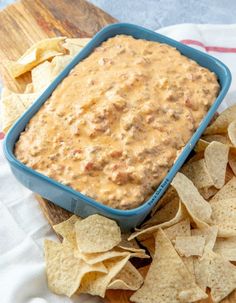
29, 21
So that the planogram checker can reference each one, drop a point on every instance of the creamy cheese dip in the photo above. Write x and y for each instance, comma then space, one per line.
115, 125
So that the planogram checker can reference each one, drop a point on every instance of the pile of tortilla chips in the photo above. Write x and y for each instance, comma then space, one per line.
44, 61
190, 235
92, 258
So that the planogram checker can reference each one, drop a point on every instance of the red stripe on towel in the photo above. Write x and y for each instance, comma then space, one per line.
2, 135
218, 49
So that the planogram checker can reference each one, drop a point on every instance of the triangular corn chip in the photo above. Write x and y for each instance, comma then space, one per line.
182, 228
96, 283
197, 172
209, 234
221, 123
216, 273
226, 247
66, 229
198, 208
168, 279
39, 52
188, 246
224, 216
13, 106
165, 213
75, 45
146, 233
128, 278
232, 132
42, 76
216, 157
64, 271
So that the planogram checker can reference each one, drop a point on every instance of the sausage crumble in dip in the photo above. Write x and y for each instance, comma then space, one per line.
115, 125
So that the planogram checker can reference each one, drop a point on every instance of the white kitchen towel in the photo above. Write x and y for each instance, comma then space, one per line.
22, 225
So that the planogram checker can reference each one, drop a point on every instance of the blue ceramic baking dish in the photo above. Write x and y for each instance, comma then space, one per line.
74, 201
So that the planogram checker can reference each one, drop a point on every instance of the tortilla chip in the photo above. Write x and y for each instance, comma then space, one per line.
75, 45
97, 234
182, 228
28, 99
116, 252
41, 76
95, 283
198, 208
200, 263
200, 266
164, 214
64, 271
209, 234
138, 254
66, 229
100, 257
12, 109
188, 246
224, 216
189, 263
128, 278
146, 233
221, 123
39, 52
204, 141
220, 275
232, 131
29, 89
216, 157
197, 172
13, 106
167, 280
73, 48
226, 247
169, 195
149, 243
228, 191
58, 63
45, 73
78, 41
131, 246
218, 138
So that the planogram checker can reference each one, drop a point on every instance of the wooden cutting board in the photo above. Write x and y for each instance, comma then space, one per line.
29, 21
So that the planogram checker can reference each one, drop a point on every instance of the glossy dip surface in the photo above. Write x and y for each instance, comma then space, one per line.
114, 126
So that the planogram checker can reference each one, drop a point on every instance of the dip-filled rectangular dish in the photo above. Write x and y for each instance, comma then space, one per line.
111, 131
